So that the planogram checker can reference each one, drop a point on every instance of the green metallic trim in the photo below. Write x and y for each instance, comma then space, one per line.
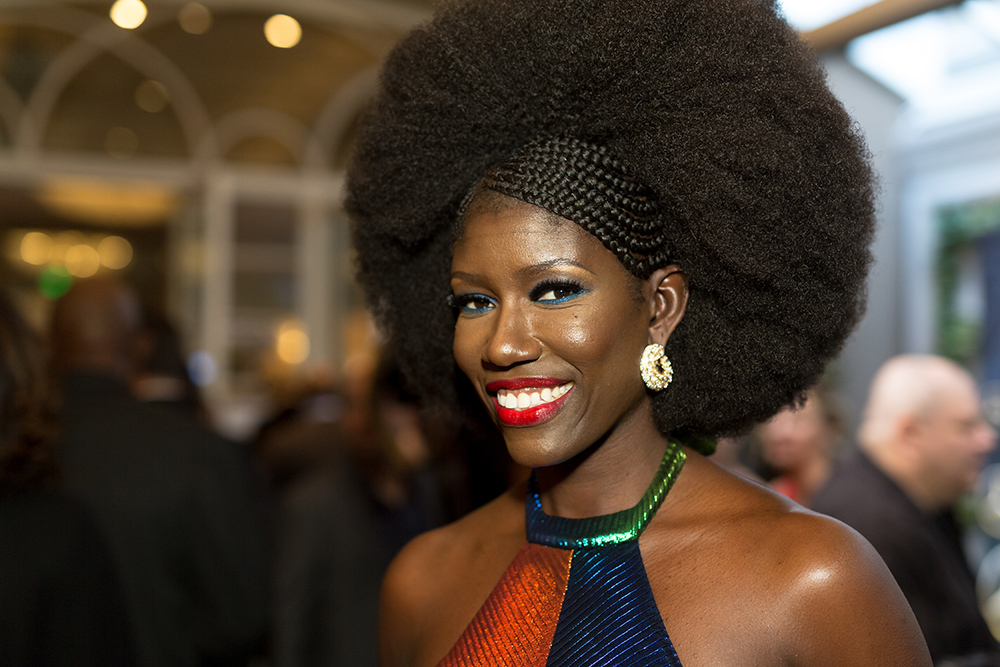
607, 529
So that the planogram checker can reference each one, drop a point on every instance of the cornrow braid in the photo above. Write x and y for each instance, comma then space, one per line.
581, 181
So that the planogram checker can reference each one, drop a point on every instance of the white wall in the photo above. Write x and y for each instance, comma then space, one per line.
879, 335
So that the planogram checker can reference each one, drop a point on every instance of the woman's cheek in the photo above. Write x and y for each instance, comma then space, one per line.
464, 347
579, 333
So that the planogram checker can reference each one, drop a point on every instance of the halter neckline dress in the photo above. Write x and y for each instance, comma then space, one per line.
576, 594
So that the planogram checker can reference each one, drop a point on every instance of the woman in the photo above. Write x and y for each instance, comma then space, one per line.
591, 187
61, 604
799, 444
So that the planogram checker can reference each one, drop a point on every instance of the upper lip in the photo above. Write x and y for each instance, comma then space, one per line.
523, 383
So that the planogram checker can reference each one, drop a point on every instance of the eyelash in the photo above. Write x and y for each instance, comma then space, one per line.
573, 288
461, 302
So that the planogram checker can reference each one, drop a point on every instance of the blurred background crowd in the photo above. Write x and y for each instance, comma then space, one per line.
207, 459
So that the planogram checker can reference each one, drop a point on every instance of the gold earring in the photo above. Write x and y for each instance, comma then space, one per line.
657, 372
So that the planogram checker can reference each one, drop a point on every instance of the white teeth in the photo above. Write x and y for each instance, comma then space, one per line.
530, 398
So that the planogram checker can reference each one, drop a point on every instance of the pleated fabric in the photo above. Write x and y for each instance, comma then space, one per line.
577, 594
609, 616
515, 627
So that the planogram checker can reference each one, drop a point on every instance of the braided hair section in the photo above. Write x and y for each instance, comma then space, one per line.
581, 181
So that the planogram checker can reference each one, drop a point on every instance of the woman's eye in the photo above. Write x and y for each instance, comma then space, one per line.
472, 304
556, 292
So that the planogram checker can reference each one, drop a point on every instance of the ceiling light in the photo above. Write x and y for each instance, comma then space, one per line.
282, 31
105, 203
292, 344
195, 18
82, 260
151, 96
115, 252
36, 248
128, 14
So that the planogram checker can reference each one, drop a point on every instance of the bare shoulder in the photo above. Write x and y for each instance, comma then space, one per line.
842, 601
790, 586
439, 580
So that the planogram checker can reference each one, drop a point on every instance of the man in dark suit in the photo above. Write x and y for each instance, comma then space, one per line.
922, 444
178, 504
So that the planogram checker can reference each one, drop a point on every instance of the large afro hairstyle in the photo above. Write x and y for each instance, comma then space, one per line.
763, 182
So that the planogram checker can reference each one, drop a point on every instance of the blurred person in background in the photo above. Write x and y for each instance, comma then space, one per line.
799, 444
922, 443
60, 602
730, 452
296, 438
177, 503
161, 375
366, 491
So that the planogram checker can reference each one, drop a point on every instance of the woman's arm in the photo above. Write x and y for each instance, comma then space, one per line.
404, 594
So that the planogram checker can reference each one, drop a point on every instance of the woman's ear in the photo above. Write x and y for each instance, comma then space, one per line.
666, 293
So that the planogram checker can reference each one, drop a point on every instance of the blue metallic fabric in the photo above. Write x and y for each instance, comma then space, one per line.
609, 616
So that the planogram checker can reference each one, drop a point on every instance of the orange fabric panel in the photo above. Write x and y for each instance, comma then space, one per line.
515, 627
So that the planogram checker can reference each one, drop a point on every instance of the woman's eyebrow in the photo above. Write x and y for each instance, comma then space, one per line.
541, 267
524, 272
472, 278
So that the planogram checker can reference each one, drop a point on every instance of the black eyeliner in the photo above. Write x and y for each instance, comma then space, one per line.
552, 284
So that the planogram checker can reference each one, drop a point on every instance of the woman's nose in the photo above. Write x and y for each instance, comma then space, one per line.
511, 341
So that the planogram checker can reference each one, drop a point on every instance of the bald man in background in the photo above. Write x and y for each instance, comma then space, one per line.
177, 504
921, 445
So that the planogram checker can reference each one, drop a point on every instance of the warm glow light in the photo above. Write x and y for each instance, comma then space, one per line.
292, 343
115, 252
282, 31
36, 248
128, 14
195, 18
63, 242
151, 96
82, 261
105, 202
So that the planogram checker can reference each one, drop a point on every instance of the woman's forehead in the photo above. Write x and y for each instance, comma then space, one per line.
530, 227
520, 238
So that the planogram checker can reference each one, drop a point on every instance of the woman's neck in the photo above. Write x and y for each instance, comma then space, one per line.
612, 475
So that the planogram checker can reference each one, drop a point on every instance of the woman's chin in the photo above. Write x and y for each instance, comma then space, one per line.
536, 452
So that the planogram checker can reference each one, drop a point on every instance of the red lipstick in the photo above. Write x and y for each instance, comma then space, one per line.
526, 416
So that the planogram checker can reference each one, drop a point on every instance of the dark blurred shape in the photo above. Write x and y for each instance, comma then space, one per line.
60, 602
730, 452
921, 445
353, 482
989, 245
26, 410
180, 506
799, 444
161, 373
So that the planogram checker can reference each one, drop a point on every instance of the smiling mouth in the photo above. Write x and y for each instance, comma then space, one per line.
528, 401
531, 397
